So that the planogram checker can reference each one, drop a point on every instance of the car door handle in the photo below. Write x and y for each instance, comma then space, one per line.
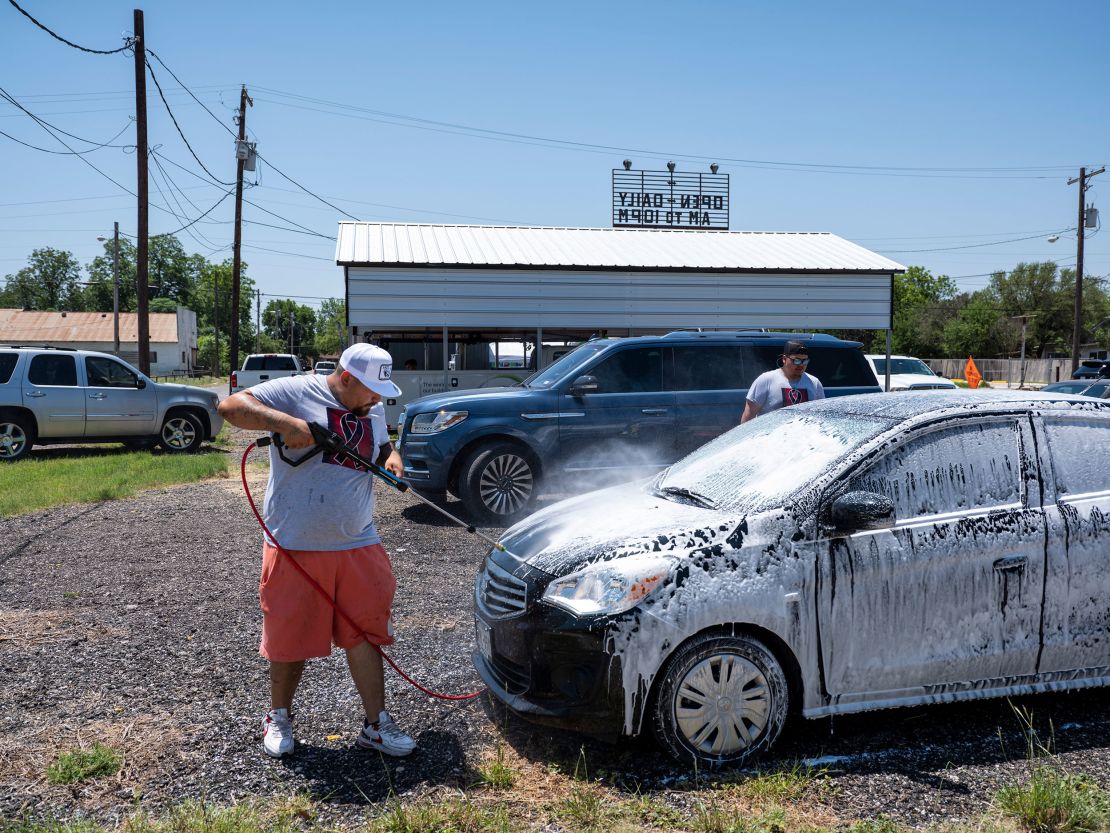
98, 396
1011, 563
36, 393
653, 411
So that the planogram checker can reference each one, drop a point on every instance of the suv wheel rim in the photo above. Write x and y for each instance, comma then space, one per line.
722, 705
506, 483
178, 433
12, 439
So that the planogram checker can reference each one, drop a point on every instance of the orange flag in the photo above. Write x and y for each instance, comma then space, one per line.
972, 374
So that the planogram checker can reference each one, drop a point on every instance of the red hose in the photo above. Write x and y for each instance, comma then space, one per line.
342, 613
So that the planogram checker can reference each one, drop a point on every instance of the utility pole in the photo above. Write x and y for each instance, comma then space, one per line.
216, 318
236, 259
258, 320
1077, 324
291, 331
141, 253
115, 288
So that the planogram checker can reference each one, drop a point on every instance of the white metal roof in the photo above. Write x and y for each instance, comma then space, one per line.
412, 244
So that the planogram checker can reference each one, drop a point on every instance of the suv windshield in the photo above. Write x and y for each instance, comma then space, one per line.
564, 366
903, 366
759, 464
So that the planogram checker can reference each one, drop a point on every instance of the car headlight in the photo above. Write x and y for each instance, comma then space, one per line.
438, 421
609, 588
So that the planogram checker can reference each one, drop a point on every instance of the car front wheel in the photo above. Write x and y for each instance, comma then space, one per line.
499, 483
16, 438
722, 700
181, 433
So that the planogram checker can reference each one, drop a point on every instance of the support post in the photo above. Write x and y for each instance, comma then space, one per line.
115, 288
539, 349
886, 384
216, 320
141, 248
236, 259
446, 372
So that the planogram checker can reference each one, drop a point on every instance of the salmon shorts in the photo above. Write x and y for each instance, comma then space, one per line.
297, 621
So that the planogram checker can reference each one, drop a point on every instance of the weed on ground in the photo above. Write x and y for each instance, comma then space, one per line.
83, 765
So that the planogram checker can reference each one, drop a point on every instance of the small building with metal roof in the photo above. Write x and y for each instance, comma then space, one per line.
173, 335
486, 280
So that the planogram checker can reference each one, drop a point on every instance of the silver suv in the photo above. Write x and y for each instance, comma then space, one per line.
57, 395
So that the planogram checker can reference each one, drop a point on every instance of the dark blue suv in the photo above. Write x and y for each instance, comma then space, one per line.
612, 409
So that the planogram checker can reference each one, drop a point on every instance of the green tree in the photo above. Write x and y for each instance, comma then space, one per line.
173, 271
1036, 289
922, 304
978, 328
331, 323
98, 294
49, 281
276, 319
211, 298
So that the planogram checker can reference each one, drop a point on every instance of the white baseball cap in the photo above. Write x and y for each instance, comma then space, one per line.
372, 366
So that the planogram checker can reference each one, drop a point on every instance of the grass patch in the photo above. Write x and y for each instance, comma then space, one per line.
83, 765
33, 484
196, 381
454, 816
785, 786
497, 773
1055, 802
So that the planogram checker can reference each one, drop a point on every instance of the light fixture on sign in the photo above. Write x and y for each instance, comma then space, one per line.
713, 168
670, 167
627, 164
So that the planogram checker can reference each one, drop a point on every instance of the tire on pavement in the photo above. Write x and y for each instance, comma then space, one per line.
498, 483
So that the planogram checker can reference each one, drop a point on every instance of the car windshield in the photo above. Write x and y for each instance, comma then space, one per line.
759, 464
903, 366
564, 366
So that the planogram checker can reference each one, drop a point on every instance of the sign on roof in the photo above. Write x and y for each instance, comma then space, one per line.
668, 199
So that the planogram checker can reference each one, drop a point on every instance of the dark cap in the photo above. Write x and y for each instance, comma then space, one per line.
792, 347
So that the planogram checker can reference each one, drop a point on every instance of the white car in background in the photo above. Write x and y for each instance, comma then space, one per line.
907, 373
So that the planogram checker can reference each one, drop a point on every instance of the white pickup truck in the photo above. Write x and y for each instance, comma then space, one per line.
261, 367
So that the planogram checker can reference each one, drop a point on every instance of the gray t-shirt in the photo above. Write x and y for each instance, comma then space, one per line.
322, 504
772, 390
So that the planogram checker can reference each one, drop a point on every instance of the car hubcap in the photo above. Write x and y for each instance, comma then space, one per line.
722, 705
12, 439
179, 433
506, 484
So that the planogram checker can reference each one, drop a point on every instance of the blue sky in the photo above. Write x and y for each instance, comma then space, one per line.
940, 85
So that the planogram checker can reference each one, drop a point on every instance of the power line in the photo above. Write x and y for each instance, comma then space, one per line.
180, 132
310, 193
286, 228
815, 167
305, 229
53, 34
291, 254
194, 233
4, 93
968, 246
71, 153
190, 92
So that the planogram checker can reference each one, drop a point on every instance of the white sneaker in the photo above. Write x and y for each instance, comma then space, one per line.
277, 733
386, 736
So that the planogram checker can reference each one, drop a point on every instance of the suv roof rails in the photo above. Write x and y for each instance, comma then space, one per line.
761, 333
38, 347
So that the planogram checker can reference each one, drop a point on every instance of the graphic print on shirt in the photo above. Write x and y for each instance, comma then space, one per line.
356, 432
794, 396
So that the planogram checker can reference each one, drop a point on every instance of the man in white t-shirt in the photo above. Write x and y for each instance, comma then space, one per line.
785, 385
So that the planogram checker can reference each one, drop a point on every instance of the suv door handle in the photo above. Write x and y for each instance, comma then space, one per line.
653, 411
98, 396
35, 393
1011, 563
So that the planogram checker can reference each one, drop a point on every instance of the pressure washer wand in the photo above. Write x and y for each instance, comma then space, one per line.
333, 443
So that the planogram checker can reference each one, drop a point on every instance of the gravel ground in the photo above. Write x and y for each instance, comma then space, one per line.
136, 622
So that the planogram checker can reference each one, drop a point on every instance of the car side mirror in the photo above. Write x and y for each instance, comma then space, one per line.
583, 385
859, 511
140, 383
